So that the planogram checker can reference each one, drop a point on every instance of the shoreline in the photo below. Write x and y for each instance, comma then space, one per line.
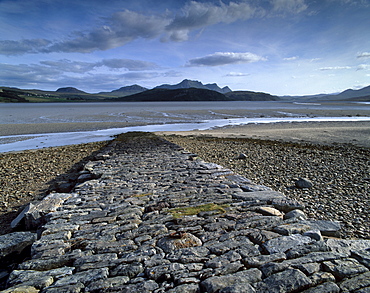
321, 133
317, 131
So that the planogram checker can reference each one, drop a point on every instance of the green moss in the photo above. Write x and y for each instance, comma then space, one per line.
143, 194
189, 211
133, 135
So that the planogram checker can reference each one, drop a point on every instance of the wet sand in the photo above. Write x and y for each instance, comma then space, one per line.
325, 133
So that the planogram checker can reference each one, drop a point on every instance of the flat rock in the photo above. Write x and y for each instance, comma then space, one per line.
15, 242
182, 240
214, 284
284, 243
290, 280
346, 246
327, 228
259, 196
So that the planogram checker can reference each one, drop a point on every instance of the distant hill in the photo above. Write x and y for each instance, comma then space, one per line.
354, 94
8, 95
251, 96
125, 91
69, 90
186, 83
361, 95
195, 94
187, 90
185, 94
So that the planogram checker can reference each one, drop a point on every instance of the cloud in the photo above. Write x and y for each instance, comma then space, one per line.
197, 15
363, 55
66, 65
129, 64
290, 58
363, 67
334, 68
288, 6
237, 74
121, 28
126, 26
224, 58
21, 47
66, 72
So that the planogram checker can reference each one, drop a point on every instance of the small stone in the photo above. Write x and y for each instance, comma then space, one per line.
268, 211
303, 183
241, 156
314, 234
295, 214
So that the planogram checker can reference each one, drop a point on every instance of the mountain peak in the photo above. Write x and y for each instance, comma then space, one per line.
187, 83
69, 90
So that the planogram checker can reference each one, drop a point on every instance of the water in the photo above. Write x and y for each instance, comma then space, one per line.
157, 116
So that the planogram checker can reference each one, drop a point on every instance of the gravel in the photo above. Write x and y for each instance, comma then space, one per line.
340, 174
30, 175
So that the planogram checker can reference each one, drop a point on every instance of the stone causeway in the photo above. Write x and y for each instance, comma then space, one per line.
148, 216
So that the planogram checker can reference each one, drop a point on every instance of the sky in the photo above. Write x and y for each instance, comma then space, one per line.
281, 47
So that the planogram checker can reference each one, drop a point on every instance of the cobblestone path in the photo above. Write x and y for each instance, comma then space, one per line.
147, 216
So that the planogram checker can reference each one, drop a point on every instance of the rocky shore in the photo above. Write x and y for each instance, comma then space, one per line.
31, 175
146, 215
340, 174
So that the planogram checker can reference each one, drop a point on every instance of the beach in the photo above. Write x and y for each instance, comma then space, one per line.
334, 155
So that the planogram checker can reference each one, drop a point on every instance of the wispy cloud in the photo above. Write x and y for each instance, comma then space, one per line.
289, 6
66, 65
363, 55
225, 58
21, 47
237, 74
71, 72
290, 58
334, 68
363, 67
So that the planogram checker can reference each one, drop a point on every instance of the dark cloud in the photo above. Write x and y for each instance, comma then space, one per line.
224, 58
196, 15
122, 28
126, 26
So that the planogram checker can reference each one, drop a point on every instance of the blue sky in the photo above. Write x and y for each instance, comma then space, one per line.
283, 47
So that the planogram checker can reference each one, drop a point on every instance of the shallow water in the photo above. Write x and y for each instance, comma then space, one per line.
162, 116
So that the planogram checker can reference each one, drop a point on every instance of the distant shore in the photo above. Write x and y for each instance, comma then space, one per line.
324, 133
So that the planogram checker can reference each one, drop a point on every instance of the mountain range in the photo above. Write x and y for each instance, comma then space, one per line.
186, 90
